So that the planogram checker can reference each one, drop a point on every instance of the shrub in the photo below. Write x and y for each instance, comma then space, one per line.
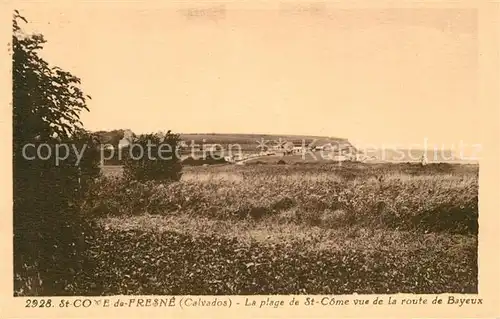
281, 162
153, 157
258, 163
208, 160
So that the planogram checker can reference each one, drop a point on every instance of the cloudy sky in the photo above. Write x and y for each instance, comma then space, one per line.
370, 75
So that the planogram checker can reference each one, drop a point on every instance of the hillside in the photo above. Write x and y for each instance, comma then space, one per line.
253, 140
247, 141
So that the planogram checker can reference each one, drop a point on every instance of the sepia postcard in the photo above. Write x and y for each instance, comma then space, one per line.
288, 159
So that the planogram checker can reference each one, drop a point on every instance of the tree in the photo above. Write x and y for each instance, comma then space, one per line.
153, 157
112, 137
49, 231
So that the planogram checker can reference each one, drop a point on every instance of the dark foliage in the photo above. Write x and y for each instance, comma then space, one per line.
209, 160
153, 263
112, 137
49, 233
153, 157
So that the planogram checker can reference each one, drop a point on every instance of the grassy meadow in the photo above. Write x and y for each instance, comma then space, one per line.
287, 229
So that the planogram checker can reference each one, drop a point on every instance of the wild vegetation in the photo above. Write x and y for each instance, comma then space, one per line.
308, 228
153, 157
50, 233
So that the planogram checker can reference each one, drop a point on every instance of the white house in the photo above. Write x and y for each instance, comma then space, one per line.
298, 150
326, 147
211, 147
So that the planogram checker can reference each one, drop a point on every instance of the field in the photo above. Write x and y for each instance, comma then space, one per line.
314, 228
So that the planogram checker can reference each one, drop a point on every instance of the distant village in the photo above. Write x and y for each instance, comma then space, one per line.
233, 153
337, 151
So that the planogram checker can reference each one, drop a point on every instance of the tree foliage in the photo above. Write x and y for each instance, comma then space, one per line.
153, 157
112, 137
49, 232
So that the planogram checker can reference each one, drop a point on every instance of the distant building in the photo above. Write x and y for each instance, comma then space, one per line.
298, 149
326, 147
128, 137
128, 134
288, 147
211, 147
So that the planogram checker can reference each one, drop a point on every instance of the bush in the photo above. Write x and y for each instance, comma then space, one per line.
209, 160
50, 231
153, 157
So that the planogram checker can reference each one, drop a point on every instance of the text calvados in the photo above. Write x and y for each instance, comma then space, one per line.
202, 302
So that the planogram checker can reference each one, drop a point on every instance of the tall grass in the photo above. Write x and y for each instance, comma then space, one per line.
442, 202
287, 229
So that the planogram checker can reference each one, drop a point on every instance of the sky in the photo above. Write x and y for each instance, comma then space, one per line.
379, 76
